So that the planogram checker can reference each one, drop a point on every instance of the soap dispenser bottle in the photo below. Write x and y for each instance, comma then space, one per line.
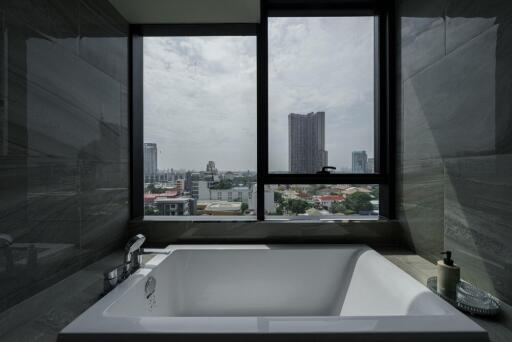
448, 275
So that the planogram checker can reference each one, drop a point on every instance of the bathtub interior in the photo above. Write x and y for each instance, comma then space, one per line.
289, 282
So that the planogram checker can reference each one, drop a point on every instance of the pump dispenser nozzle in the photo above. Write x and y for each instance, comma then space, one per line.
448, 259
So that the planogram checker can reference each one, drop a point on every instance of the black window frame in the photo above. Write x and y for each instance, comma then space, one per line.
385, 103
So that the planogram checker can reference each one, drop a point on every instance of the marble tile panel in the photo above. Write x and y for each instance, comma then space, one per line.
466, 19
55, 19
478, 216
449, 108
422, 34
103, 43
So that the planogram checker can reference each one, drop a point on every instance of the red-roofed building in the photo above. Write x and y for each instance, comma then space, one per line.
328, 200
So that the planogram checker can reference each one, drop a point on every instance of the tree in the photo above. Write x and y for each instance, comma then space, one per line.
150, 211
279, 210
337, 207
223, 185
278, 197
375, 192
244, 207
154, 190
296, 206
359, 201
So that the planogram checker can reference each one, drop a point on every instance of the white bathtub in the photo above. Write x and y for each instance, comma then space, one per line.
272, 293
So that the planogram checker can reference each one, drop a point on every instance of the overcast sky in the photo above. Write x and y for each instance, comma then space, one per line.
200, 92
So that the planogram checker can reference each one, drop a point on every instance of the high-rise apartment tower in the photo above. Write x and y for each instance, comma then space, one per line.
306, 142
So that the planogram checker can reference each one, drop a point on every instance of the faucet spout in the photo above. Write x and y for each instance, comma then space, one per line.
133, 245
132, 254
132, 262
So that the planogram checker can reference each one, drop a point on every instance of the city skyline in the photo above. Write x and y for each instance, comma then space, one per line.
361, 163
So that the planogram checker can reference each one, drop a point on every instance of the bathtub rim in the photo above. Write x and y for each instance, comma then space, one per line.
95, 320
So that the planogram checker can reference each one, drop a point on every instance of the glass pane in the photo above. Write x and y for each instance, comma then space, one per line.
322, 201
199, 125
321, 94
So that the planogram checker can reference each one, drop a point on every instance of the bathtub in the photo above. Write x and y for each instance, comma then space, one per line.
271, 293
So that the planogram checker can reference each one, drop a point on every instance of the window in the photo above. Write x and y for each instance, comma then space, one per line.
285, 119
199, 119
321, 94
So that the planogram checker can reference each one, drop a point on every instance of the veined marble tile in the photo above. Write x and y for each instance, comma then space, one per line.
64, 141
466, 19
103, 43
449, 108
422, 34
57, 20
478, 218
422, 205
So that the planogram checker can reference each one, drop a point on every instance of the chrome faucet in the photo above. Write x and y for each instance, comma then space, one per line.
132, 254
132, 262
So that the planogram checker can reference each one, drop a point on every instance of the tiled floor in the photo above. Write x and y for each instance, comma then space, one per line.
42, 316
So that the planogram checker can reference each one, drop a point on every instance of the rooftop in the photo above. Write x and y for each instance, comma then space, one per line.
223, 206
330, 198
172, 200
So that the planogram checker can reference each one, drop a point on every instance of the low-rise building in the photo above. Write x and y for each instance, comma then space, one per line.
353, 190
200, 190
270, 206
149, 198
220, 208
326, 201
237, 194
179, 206
180, 185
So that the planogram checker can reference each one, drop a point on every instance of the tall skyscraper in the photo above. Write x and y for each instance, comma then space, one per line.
359, 162
306, 142
150, 161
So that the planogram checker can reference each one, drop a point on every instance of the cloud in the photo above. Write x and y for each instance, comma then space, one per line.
200, 92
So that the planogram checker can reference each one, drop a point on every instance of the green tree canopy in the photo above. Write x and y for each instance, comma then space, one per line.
375, 192
296, 206
358, 201
278, 197
337, 207
154, 190
223, 185
150, 211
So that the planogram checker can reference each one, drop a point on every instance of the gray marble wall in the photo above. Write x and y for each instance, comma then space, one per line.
455, 174
64, 160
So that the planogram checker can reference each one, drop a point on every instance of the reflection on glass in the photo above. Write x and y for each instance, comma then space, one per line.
322, 201
200, 126
321, 94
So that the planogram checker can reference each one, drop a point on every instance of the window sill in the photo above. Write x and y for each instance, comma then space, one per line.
271, 219
162, 232
197, 219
